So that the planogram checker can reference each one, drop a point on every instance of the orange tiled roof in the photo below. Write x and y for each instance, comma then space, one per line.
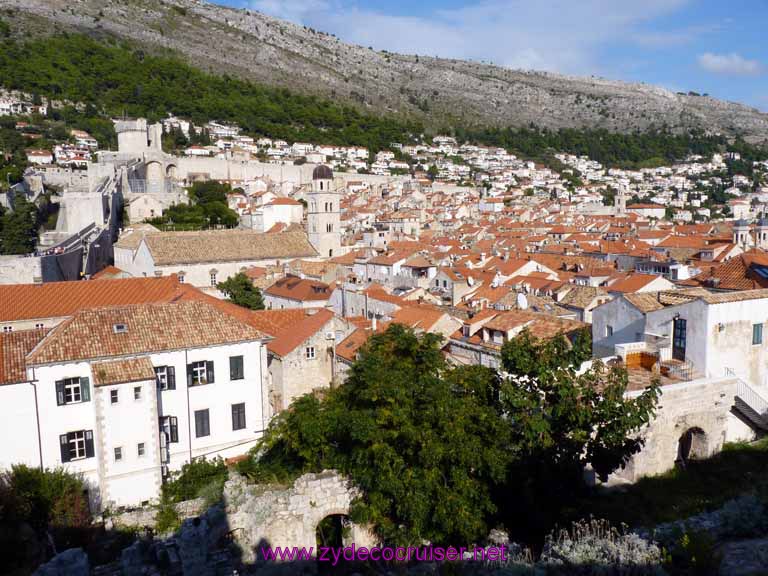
122, 371
60, 299
293, 336
91, 333
14, 347
301, 289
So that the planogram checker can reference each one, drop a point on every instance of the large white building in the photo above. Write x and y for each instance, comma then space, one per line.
204, 258
124, 395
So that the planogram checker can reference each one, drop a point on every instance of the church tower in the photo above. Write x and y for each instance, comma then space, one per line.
323, 213
620, 202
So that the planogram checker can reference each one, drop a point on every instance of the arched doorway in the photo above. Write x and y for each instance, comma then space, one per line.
692, 445
334, 531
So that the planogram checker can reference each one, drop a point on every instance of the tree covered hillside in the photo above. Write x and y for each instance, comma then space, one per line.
113, 78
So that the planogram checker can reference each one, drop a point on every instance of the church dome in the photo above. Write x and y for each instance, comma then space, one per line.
322, 172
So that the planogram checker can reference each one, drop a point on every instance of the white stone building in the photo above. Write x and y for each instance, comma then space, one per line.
323, 213
123, 395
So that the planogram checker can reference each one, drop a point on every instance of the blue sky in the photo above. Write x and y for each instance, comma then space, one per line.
713, 47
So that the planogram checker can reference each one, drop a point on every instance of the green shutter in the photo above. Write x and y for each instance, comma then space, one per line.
85, 388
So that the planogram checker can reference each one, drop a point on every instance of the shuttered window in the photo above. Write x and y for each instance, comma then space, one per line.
76, 445
202, 423
73, 391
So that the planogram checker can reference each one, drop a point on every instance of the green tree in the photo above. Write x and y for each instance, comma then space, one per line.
18, 228
423, 441
241, 291
562, 422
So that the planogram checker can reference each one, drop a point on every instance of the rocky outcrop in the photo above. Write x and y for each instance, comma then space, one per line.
276, 52
72, 562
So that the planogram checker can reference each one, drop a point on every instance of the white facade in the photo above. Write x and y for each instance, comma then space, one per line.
119, 435
324, 217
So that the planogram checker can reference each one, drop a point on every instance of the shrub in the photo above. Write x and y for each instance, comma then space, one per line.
40, 502
167, 518
596, 547
693, 554
743, 517
193, 477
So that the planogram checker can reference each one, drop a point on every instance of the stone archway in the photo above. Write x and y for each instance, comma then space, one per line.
289, 516
693, 444
170, 171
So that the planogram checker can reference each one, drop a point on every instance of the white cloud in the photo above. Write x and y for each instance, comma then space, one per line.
554, 35
733, 64
293, 10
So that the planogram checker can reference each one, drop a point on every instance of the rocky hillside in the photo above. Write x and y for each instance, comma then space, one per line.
443, 91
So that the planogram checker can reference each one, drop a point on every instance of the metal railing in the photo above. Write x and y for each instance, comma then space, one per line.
750, 397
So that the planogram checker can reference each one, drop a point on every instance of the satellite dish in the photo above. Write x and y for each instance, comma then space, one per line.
470, 281
522, 301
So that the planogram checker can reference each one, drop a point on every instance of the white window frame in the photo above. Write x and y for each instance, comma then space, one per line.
77, 445
118, 453
213, 279
309, 353
199, 373
141, 449
161, 376
73, 391
114, 396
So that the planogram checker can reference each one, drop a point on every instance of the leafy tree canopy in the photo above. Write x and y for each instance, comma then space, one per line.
241, 291
442, 453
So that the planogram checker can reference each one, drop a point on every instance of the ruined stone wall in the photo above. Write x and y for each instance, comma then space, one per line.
279, 516
702, 405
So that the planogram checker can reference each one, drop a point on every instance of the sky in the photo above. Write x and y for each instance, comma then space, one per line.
711, 46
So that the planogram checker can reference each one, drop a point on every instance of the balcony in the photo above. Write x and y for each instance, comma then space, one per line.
645, 360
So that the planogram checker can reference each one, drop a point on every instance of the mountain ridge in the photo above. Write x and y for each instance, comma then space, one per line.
442, 92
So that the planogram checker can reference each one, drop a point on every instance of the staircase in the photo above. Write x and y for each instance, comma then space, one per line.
750, 404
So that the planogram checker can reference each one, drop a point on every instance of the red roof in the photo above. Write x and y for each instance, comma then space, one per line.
61, 299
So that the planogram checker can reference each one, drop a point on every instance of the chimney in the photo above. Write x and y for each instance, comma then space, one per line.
373, 323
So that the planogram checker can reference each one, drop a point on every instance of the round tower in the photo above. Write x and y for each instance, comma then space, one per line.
323, 213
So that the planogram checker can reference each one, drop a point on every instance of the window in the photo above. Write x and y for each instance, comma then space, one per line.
165, 376
329, 227
757, 334
140, 449
169, 425
181, 278
137, 393
236, 368
76, 445
213, 278
72, 391
7, 329
113, 396
202, 423
310, 352
199, 373
118, 454
608, 331
238, 416
120, 328
39, 325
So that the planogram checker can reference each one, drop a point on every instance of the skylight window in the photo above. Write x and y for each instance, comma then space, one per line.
120, 328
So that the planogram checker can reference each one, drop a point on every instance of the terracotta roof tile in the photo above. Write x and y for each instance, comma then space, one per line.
292, 337
14, 347
95, 333
61, 299
122, 371
226, 246
300, 289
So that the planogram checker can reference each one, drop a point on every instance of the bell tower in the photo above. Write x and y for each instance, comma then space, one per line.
323, 213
